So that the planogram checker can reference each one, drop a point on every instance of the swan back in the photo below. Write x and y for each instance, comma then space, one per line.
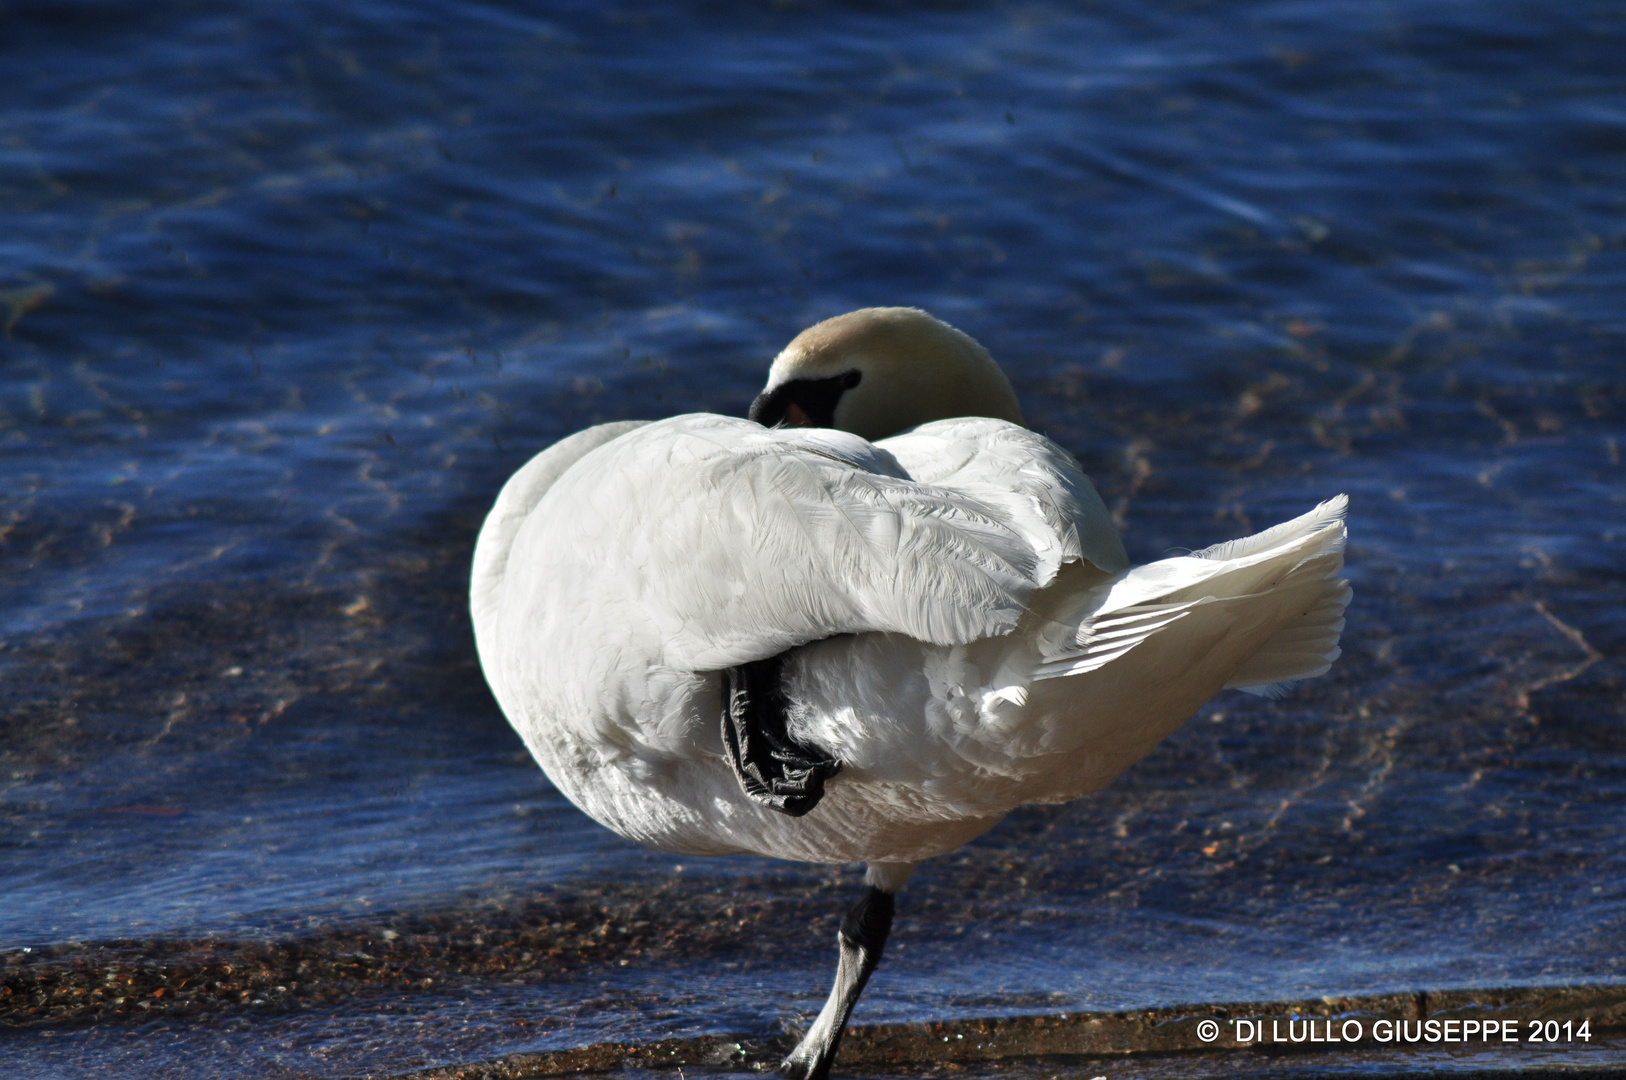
514, 504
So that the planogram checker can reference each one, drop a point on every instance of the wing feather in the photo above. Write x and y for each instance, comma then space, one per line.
703, 542
1039, 488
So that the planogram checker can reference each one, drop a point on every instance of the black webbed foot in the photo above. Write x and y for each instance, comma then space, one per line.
775, 770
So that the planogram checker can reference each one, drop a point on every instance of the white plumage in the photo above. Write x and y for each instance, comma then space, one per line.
981, 642
962, 628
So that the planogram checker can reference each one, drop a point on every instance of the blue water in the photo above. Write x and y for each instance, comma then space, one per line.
289, 290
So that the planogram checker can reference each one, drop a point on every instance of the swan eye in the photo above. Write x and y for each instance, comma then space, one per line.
804, 402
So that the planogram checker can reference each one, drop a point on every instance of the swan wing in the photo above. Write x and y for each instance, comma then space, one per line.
733, 542
702, 542
514, 504
1039, 489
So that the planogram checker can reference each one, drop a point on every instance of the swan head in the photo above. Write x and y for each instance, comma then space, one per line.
878, 371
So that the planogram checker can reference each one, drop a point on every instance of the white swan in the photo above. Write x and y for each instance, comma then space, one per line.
718, 637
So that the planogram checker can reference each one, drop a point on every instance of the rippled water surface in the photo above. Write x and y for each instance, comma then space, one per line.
288, 290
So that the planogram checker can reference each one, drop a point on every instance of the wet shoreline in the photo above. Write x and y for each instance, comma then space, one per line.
1161, 1031
130, 983
543, 939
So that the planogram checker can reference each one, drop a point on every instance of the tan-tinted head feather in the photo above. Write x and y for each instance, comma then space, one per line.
912, 368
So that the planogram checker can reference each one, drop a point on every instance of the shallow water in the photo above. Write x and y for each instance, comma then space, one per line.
289, 290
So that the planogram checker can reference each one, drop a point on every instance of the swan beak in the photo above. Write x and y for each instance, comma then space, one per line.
803, 402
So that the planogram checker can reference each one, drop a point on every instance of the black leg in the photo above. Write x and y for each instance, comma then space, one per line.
862, 937
775, 770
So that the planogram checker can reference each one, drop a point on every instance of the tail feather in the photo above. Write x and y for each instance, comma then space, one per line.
1321, 517
1303, 649
1113, 636
1125, 660
1285, 575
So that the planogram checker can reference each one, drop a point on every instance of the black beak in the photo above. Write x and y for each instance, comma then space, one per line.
803, 402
